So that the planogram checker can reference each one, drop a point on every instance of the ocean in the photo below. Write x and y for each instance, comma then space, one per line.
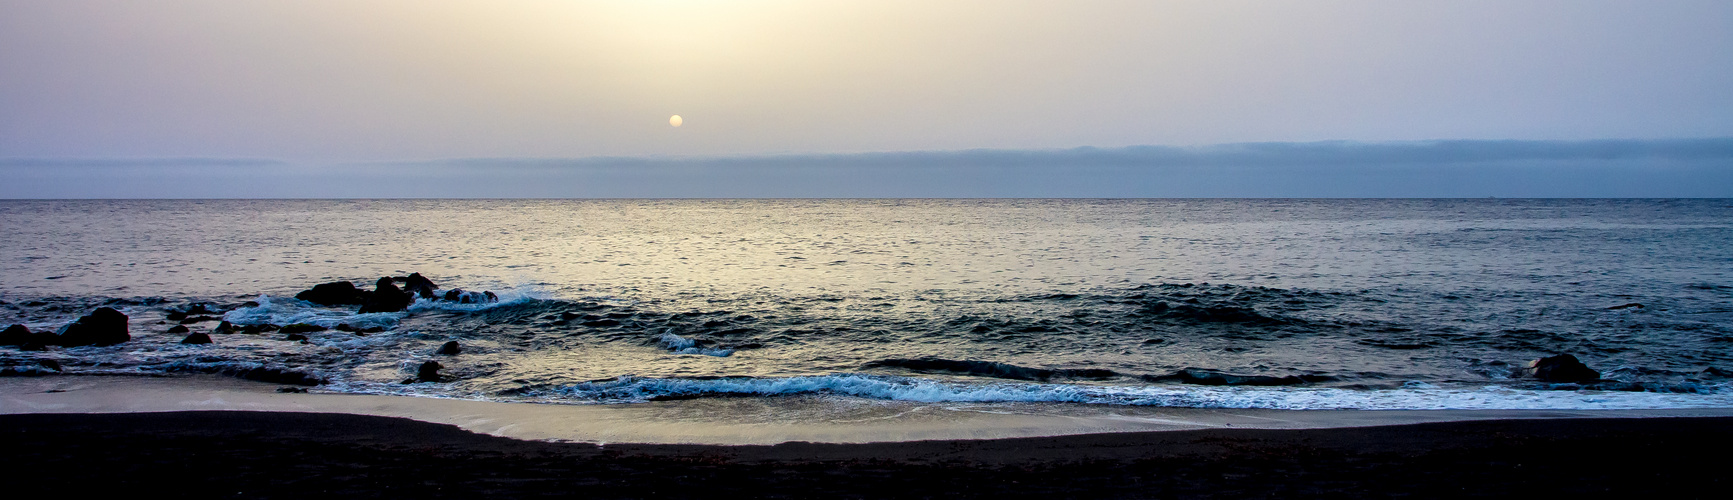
1208, 303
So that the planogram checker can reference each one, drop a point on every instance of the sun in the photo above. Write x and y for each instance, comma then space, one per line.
676, 120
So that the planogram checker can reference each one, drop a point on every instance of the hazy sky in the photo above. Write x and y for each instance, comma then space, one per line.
326, 82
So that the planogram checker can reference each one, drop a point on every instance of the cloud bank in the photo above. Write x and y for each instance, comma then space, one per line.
1457, 168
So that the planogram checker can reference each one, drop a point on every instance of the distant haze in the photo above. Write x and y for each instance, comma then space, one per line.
1624, 168
327, 98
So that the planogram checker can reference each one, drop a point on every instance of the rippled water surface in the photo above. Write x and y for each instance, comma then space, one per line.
1291, 303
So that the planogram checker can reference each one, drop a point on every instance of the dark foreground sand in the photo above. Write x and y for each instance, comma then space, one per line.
297, 455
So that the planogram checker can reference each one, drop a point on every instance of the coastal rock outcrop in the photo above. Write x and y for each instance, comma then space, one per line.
197, 338
450, 349
428, 372
420, 286
1562, 368
15, 335
387, 298
336, 293
102, 327
178, 329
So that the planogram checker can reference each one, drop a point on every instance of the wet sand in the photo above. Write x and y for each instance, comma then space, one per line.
128, 435
722, 421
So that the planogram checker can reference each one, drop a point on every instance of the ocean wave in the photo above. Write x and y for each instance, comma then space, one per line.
290, 311
682, 345
510, 297
989, 369
1199, 376
1414, 397
261, 372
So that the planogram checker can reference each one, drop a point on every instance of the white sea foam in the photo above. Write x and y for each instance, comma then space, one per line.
290, 311
683, 345
515, 295
633, 389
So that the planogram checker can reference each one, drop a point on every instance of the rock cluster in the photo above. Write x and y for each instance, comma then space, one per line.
102, 327
387, 297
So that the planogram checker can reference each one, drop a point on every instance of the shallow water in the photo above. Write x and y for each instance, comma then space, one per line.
1333, 303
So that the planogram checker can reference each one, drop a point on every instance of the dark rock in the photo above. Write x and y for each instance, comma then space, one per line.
258, 329
224, 328
490, 296
336, 293
39, 341
198, 319
420, 286
102, 327
299, 390
176, 315
428, 372
179, 329
295, 337
1154, 341
201, 308
1626, 306
1561, 368
197, 338
15, 335
450, 349
387, 298
302, 328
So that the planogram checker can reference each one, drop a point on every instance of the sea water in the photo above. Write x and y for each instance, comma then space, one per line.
1299, 304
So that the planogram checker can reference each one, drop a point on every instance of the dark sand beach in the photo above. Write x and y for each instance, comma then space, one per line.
203, 454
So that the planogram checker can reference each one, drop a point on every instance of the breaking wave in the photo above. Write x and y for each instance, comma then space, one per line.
1415, 397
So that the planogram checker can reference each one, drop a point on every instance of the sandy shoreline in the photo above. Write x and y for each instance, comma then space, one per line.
247, 454
209, 437
720, 421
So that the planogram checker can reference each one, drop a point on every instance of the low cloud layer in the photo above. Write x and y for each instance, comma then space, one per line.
1606, 168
